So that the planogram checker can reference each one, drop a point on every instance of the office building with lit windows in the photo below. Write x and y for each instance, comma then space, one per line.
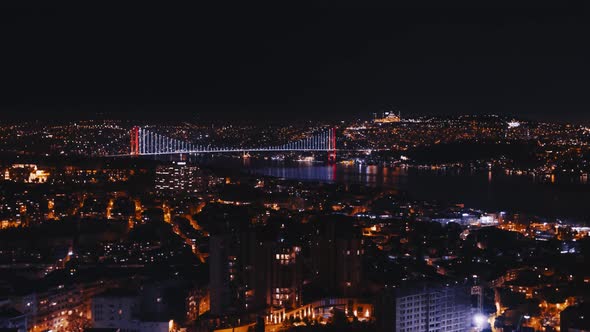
178, 177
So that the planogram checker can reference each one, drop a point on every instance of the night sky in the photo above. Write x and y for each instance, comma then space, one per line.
317, 62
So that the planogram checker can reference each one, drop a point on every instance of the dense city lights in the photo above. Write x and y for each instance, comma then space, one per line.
291, 167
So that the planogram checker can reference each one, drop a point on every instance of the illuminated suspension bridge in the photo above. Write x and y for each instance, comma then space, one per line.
145, 142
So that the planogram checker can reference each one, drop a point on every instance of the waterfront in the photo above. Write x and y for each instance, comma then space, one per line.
554, 197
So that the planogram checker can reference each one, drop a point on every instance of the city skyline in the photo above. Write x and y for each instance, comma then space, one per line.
282, 167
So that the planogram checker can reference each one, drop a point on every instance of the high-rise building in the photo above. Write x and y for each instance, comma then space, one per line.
279, 266
232, 247
253, 269
425, 307
179, 178
337, 256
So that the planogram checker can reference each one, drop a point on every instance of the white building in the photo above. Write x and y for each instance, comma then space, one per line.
116, 309
425, 308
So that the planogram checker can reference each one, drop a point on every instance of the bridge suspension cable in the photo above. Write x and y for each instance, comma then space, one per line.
147, 142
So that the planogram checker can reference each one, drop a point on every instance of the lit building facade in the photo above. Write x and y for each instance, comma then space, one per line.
388, 117
424, 308
279, 264
61, 309
182, 178
27, 173
176, 178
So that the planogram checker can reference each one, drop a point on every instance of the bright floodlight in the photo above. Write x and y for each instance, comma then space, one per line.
479, 320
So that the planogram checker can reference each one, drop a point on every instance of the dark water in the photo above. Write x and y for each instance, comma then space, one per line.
565, 197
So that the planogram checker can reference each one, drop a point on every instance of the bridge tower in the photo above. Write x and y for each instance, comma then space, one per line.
134, 134
332, 146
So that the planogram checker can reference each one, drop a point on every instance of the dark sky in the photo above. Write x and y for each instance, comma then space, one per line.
530, 59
